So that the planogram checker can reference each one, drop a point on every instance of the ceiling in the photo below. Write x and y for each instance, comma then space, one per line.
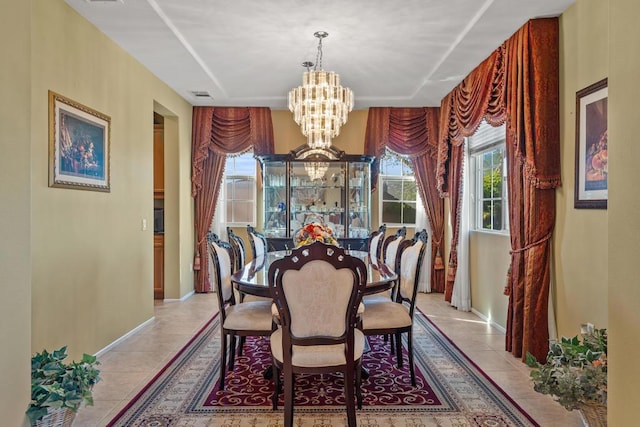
405, 53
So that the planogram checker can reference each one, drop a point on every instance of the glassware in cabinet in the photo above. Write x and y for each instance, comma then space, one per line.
275, 199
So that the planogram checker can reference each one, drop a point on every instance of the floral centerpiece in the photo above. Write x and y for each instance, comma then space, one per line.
575, 373
312, 232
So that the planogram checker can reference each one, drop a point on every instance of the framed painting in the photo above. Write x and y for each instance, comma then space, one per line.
591, 180
78, 145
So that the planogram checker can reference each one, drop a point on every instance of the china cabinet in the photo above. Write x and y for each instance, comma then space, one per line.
311, 185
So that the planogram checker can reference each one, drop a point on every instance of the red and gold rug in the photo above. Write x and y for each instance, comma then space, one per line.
451, 390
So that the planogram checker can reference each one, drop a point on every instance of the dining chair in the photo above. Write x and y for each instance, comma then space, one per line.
237, 244
389, 252
317, 291
237, 319
395, 317
258, 242
375, 241
390, 246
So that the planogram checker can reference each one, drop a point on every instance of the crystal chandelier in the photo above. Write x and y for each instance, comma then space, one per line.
316, 170
321, 105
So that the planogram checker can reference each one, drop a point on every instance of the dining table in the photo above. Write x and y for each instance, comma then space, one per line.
253, 279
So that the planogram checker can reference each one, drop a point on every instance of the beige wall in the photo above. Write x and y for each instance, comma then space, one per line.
92, 263
624, 205
581, 235
15, 211
488, 264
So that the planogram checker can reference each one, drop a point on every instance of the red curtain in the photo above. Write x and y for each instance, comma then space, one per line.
218, 131
412, 131
533, 157
519, 83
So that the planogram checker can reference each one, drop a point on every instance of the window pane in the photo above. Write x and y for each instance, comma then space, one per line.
409, 213
229, 189
497, 183
497, 215
242, 211
392, 189
229, 211
244, 189
486, 214
486, 184
497, 157
486, 161
392, 212
409, 191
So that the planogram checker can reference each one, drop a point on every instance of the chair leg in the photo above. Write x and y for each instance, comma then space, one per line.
359, 383
232, 352
243, 340
349, 397
223, 359
276, 387
399, 349
410, 351
288, 397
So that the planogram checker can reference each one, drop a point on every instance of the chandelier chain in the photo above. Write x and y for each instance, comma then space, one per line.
318, 56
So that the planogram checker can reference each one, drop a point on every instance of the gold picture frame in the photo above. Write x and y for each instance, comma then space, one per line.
79, 145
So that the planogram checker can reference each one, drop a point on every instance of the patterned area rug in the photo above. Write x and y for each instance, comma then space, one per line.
451, 390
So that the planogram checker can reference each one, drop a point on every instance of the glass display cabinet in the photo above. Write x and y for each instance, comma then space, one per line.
311, 185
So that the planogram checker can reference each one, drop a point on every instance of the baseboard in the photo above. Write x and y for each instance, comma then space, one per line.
486, 319
123, 337
184, 298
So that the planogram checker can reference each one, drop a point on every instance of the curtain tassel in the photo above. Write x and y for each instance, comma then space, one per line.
507, 287
438, 264
196, 262
451, 272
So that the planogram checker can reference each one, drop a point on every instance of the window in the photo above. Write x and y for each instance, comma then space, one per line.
488, 167
398, 190
240, 189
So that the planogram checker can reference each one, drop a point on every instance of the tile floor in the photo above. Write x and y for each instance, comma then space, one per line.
133, 362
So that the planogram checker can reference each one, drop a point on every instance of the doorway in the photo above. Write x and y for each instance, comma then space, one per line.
158, 206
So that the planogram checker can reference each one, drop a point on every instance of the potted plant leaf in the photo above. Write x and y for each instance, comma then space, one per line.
58, 388
575, 374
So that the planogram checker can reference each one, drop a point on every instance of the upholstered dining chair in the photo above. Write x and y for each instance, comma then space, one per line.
375, 241
389, 251
237, 319
395, 317
317, 291
239, 251
390, 246
258, 242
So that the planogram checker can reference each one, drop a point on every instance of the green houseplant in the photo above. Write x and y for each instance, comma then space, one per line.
58, 388
575, 374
